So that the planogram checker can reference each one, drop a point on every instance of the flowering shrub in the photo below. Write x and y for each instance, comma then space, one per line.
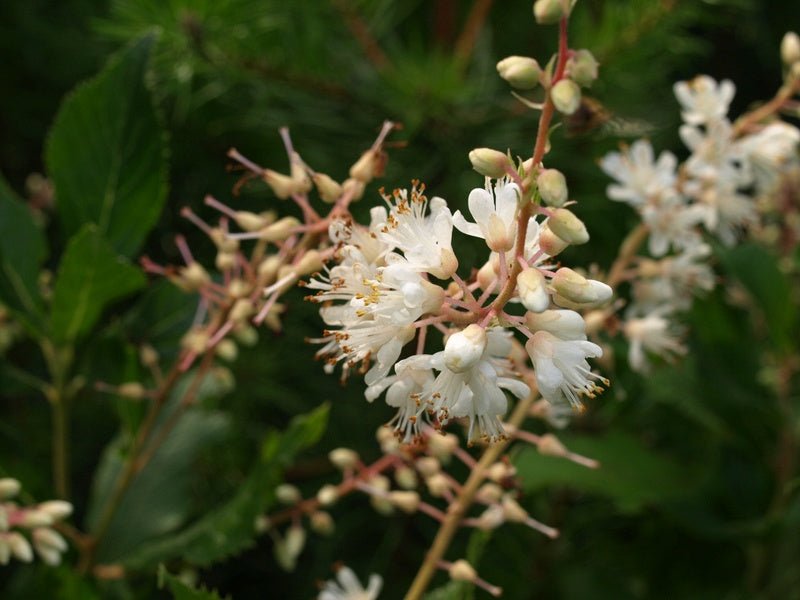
488, 323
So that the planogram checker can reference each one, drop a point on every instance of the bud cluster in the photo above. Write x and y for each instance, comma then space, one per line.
24, 529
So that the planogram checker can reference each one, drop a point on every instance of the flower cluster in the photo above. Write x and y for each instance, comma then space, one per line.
730, 169
21, 526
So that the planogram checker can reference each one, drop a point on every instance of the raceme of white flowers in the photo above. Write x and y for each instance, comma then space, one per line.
395, 278
36, 521
716, 188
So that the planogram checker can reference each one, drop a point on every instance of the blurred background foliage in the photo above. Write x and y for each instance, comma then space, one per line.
686, 503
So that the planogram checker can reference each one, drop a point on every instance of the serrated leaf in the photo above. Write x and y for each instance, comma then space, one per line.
106, 153
90, 276
181, 590
630, 474
157, 501
22, 250
230, 529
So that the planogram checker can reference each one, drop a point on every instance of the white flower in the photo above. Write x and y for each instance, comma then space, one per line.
655, 334
672, 222
770, 150
425, 240
703, 99
639, 177
714, 154
405, 391
476, 392
495, 212
562, 371
348, 587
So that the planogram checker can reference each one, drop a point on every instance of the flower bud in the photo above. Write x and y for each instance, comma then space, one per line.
408, 502
49, 538
19, 547
35, 518
9, 488
513, 511
549, 242
245, 334
321, 522
566, 96
488, 162
148, 355
225, 260
286, 493
576, 288
365, 168
564, 324
550, 445
279, 230
428, 466
354, 188
327, 495
406, 477
329, 190
461, 570
552, 187
268, 269
582, 68
437, 485
310, 263
486, 275
465, 348
520, 71
250, 221
491, 518
193, 277
790, 48
568, 227
532, 290
489, 493
442, 446
551, 11
343, 458
132, 389
302, 183
241, 310
281, 185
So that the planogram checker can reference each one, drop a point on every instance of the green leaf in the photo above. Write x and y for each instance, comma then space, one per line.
180, 589
758, 271
90, 276
22, 250
230, 529
106, 153
158, 500
630, 474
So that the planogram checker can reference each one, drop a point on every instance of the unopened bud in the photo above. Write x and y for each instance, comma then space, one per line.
19, 546
790, 48
488, 162
565, 324
437, 485
387, 440
239, 288
302, 183
520, 71
406, 501
241, 310
549, 242
310, 263
566, 96
491, 518
513, 511
442, 446
329, 190
195, 340
227, 350
148, 355
343, 458
246, 335
225, 260
465, 348
568, 227
461, 570
250, 221
486, 275
327, 495
354, 188
550, 445
286, 493
193, 277
365, 167
262, 524
321, 522
279, 230
268, 269
576, 288
532, 290
131, 389
499, 472
552, 187
489, 493
281, 185
295, 540
428, 466
406, 477
44, 537
551, 11
9, 488
582, 68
